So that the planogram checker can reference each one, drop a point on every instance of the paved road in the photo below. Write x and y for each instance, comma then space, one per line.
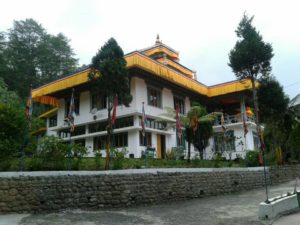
293, 219
238, 208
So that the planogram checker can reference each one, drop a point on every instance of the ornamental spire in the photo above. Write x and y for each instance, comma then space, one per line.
157, 42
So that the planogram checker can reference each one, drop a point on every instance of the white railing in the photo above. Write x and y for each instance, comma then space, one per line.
230, 119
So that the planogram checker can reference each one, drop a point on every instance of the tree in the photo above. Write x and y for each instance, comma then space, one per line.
251, 59
270, 110
198, 125
111, 78
12, 120
32, 56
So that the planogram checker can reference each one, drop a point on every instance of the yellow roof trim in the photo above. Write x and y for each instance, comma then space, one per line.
48, 113
156, 68
176, 66
229, 87
41, 130
137, 59
62, 84
161, 49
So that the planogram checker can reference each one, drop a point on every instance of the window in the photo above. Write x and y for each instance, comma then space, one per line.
255, 140
151, 123
120, 123
53, 121
124, 122
154, 97
117, 140
224, 142
180, 102
80, 142
120, 140
98, 101
145, 141
67, 105
79, 130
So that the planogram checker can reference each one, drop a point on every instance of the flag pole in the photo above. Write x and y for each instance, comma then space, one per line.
113, 121
71, 120
28, 114
143, 120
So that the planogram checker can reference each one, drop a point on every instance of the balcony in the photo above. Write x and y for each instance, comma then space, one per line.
231, 119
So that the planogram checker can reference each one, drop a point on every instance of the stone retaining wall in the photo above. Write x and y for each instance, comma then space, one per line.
44, 191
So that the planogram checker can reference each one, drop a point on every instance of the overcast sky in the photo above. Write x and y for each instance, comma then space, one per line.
202, 31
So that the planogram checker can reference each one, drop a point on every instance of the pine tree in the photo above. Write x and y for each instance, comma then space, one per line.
251, 58
111, 78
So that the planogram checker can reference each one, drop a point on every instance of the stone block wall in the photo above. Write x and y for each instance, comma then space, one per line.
48, 191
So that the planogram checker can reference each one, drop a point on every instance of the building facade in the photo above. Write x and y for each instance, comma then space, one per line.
158, 80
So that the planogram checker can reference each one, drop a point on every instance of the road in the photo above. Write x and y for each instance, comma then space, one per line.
238, 208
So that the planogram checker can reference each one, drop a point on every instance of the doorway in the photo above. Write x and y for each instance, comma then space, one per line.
161, 146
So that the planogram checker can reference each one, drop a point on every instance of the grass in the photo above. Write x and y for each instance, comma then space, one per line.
91, 163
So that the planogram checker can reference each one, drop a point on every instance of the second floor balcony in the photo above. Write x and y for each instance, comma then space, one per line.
231, 119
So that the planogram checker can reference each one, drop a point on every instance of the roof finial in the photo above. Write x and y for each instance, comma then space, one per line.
157, 40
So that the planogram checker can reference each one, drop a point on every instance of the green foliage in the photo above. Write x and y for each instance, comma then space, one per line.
13, 123
98, 159
170, 155
202, 136
119, 157
199, 127
114, 79
294, 142
110, 78
252, 158
250, 56
29, 55
269, 90
53, 153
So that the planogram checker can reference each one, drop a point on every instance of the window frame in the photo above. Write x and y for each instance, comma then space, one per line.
102, 101
180, 99
148, 136
158, 101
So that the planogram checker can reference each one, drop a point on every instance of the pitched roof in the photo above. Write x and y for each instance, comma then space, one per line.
156, 68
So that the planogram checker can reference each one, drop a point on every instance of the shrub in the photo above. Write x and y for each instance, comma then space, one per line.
170, 155
97, 158
118, 158
252, 158
53, 152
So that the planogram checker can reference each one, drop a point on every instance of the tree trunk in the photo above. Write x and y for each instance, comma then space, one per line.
256, 110
188, 136
108, 140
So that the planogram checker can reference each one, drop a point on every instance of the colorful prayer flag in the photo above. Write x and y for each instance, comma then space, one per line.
114, 114
244, 124
29, 106
72, 115
143, 122
178, 123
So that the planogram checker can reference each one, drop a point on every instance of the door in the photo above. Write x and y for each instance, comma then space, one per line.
158, 146
161, 146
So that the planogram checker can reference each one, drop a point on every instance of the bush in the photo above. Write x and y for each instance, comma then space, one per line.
53, 152
252, 158
118, 158
170, 155
97, 158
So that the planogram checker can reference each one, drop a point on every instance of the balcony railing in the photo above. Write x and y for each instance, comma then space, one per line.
230, 119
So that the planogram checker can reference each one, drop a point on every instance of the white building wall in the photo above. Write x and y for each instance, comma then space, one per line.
242, 144
139, 93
